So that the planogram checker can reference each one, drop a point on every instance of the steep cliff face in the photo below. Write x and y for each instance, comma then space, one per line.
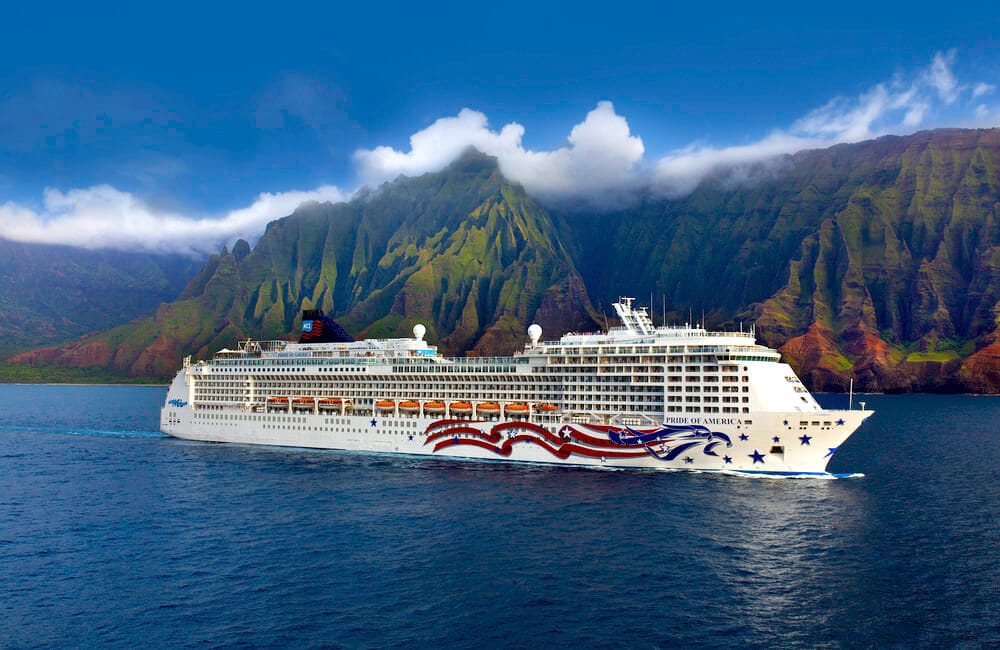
877, 261
900, 279
464, 252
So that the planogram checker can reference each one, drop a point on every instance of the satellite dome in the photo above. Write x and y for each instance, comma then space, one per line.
535, 333
418, 331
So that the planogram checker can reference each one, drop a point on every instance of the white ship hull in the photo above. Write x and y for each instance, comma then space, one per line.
768, 447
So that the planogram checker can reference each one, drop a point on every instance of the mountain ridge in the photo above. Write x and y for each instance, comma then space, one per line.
48, 293
467, 253
877, 260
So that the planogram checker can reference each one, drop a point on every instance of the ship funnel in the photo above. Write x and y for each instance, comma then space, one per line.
320, 328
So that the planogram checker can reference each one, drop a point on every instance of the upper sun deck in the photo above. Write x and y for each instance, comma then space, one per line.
669, 334
637, 329
367, 349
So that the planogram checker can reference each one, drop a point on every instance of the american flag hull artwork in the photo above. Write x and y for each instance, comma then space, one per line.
679, 447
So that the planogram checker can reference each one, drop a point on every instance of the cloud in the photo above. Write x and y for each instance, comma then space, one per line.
940, 77
982, 89
603, 161
105, 217
987, 116
601, 155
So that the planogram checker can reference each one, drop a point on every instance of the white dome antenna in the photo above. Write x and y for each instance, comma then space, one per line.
418, 331
535, 333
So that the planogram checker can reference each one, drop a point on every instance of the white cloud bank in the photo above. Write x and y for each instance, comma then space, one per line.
603, 159
602, 162
602, 156
104, 217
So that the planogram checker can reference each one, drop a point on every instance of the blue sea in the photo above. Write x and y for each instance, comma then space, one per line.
114, 535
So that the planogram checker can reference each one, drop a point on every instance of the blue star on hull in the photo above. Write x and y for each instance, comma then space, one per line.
374, 422
805, 439
744, 437
757, 457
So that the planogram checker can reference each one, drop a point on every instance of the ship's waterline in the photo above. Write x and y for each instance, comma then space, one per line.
635, 396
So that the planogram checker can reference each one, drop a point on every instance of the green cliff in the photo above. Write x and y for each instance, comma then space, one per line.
877, 261
464, 252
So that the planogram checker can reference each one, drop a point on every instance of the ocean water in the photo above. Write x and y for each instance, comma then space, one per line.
113, 535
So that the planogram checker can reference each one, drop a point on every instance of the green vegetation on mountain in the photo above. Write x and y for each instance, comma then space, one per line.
878, 261
52, 294
465, 252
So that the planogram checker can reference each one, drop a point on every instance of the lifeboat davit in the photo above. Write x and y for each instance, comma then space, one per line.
488, 407
516, 409
385, 405
433, 407
409, 405
461, 408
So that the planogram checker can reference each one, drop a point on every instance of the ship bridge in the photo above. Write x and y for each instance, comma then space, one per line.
634, 320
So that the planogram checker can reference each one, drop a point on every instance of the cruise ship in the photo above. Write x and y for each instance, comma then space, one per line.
634, 396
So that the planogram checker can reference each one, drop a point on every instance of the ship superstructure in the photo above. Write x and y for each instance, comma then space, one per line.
637, 395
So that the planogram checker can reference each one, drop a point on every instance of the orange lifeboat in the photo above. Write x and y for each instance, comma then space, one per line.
385, 405
461, 408
547, 408
409, 405
433, 407
277, 403
303, 401
488, 407
328, 403
516, 409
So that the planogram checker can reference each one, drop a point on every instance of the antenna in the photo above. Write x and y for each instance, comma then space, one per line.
664, 309
850, 399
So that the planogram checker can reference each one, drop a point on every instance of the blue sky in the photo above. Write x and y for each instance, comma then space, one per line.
183, 125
